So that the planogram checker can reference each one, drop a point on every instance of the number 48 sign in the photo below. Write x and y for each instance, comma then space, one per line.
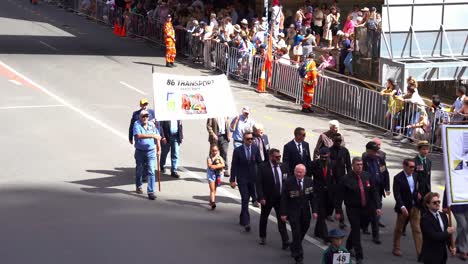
341, 258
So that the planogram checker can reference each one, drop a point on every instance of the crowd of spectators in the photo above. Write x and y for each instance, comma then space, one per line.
296, 33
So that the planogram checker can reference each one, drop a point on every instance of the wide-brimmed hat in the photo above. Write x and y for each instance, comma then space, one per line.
423, 143
365, 9
237, 28
244, 21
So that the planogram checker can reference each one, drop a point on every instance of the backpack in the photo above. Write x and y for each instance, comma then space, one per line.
371, 24
302, 70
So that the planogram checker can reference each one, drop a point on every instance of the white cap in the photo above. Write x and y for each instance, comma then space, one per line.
246, 109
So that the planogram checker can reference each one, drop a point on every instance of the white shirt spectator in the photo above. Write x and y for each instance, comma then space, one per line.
355, 15
275, 14
260, 35
229, 28
318, 18
213, 23
285, 59
281, 44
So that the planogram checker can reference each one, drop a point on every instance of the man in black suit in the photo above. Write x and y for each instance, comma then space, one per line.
270, 180
297, 151
436, 232
261, 141
244, 171
407, 201
362, 201
297, 201
324, 187
423, 167
171, 138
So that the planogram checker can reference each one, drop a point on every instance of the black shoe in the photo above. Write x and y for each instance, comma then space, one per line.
247, 228
151, 196
163, 170
299, 260
213, 205
420, 258
262, 241
343, 225
285, 245
359, 261
173, 65
365, 232
139, 190
381, 225
175, 174
168, 64
376, 241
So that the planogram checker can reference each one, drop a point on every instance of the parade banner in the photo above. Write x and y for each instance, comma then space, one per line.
179, 97
455, 146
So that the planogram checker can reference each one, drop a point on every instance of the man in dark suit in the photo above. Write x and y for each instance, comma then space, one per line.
423, 167
261, 141
407, 201
219, 134
244, 171
270, 180
297, 201
435, 231
324, 187
171, 138
297, 151
362, 201
377, 168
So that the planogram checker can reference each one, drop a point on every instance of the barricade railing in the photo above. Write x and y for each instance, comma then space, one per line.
239, 64
219, 55
286, 80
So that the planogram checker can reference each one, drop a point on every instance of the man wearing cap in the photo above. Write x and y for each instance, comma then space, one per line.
324, 180
379, 176
169, 37
297, 202
361, 199
309, 83
326, 138
423, 167
336, 237
136, 117
239, 125
146, 137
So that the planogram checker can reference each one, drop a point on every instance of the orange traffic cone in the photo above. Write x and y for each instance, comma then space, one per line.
261, 88
123, 32
116, 30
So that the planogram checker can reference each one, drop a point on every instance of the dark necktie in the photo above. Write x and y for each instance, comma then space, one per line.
277, 179
299, 184
362, 192
248, 153
439, 222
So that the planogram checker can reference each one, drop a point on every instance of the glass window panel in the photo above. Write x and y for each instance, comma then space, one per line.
456, 16
458, 42
426, 41
400, 45
427, 17
428, 1
400, 18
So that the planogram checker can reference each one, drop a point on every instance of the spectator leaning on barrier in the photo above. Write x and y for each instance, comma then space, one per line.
394, 106
440, 117
327, 62
458, 103
284, 56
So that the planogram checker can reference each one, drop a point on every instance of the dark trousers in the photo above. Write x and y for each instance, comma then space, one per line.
265, 212
223, 146
356, 217
300, 223
325, 209
246, 190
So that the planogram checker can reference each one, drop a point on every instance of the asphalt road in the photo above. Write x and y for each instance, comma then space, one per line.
68, 87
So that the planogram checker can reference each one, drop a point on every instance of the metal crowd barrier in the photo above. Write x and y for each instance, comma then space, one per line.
286, 80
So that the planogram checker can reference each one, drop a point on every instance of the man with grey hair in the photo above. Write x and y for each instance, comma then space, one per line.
261, 141
326, 139
241, 124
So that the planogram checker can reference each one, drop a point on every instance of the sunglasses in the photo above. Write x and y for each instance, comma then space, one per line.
435, 202
277, 157
145, 116
411, 167
251, 138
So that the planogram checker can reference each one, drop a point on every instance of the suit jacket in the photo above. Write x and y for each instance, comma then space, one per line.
435, 240
341, 161
166, 130
213, 128
265, 145
295, 201
243, 170
402, 192
291, 156
325, 140
349, 192
266, 188
322, 184
423, 175
384, 175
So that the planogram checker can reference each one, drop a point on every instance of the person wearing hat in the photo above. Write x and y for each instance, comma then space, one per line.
341, 160
326, 138
408, 200
309, 83
324, 178
281, 43
241, 124
377, 168
146, 137
361, 198
335, 237
170, 41
136, 117
423, 167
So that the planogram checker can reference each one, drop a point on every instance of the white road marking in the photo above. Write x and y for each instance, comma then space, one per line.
133, 88
47, 45
28, 106
15, 82
69, 105
257, 210
124, 137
